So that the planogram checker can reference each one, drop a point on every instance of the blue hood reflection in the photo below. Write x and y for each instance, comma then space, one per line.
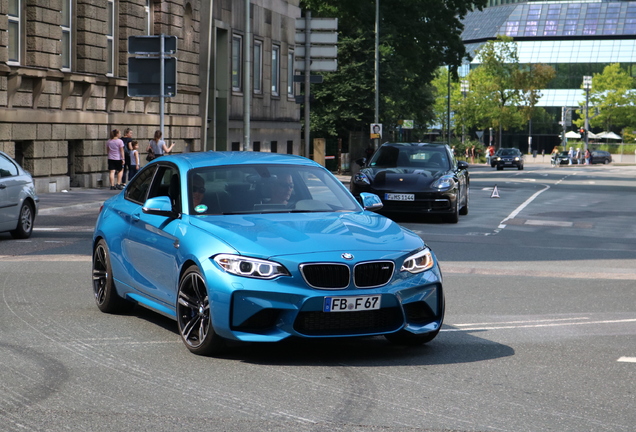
270, 235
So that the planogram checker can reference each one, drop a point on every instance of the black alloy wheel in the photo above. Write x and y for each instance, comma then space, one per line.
25, 222
193, 315
106, 296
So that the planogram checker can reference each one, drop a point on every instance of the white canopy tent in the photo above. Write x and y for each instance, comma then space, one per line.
573, 135
608, 135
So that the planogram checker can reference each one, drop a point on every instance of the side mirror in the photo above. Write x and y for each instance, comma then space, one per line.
159, 206
370, 201
462, 165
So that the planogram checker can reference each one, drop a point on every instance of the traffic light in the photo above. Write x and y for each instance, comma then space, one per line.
582, 131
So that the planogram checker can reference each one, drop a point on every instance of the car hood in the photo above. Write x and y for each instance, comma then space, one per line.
269, 235
403, 179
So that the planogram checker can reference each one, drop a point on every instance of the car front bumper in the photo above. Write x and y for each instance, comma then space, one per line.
253, 310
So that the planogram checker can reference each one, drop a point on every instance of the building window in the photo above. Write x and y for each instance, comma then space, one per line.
512, 28
290, 147
67, 14
236, 146
15, 14
290, 73
258, 67
273, 148
257, 146
110, 37
237, 44
275, 70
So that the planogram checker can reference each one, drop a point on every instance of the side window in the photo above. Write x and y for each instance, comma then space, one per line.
7, 168
138, 188
167, 183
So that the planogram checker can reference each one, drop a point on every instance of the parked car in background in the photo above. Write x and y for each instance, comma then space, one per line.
507, 158
259, 247
416, 178
601, 156
563, 159
18, 200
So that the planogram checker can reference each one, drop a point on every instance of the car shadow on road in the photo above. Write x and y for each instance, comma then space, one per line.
451, 346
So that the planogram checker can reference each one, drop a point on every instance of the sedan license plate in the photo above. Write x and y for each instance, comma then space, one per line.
351, 304
399, 197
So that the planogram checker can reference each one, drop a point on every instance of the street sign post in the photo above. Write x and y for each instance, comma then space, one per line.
153, 72
317, 51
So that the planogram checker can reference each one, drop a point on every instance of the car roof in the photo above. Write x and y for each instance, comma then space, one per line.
414, 144
187, 161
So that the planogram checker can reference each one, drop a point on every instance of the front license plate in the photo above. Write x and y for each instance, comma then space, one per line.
399, 197
351, 304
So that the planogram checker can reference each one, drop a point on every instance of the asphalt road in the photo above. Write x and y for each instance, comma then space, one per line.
539, 335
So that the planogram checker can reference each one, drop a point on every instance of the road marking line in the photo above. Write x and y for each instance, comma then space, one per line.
520, 322
518, 210
627, 359
540, 325
548, 223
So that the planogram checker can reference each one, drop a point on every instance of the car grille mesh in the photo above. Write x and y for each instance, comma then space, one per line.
346, 323
373, 274
328, 276
337, 276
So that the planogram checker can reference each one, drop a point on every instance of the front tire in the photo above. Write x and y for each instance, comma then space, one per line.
464, 210
26, 218
193, 315
106, 296
454, 216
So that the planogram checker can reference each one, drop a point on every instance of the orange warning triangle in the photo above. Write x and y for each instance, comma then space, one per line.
495, 192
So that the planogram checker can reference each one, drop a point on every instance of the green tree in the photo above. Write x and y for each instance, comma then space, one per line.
611, 95
415, 39
503, 93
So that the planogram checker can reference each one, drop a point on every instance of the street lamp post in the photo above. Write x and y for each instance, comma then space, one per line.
587, 85
464, 89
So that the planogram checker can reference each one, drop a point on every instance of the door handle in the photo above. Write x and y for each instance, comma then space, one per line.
136, 217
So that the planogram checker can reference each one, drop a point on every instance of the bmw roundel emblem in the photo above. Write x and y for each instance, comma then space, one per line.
347, 256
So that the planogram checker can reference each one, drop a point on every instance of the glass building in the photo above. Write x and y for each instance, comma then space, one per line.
576, 38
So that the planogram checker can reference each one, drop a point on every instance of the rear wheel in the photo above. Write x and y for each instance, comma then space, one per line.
194, 317
25, 222
606, 161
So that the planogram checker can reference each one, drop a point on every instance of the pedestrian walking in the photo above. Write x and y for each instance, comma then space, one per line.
588, 156
554, 156
158, 146
115, 159
127, 139
134, 160
570, 155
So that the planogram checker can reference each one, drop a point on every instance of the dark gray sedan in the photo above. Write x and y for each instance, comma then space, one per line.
18, 200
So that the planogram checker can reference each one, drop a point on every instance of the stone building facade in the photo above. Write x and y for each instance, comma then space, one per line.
63, 81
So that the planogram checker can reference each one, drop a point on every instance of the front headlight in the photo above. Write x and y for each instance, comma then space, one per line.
361, 179
250, 267
419, 262
517, 159
444, 182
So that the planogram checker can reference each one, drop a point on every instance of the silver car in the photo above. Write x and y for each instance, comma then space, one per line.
18, 201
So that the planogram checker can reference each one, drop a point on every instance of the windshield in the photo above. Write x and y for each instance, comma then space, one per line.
509, 152
411, 157
239, 189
